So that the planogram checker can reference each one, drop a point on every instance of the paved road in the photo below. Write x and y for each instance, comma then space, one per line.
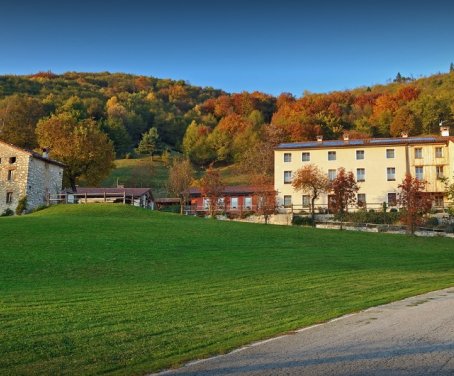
413, 337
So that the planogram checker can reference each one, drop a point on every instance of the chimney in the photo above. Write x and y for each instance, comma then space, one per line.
319, 138
444, 131
45, 153
346, 136
404, 134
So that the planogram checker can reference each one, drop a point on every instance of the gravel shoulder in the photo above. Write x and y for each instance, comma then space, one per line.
414, 336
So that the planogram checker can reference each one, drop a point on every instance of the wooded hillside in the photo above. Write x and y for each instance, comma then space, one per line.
210, 125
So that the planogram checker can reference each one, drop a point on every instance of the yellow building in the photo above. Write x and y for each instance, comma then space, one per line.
379, 166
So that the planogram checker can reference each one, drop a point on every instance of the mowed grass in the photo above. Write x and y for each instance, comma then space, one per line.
120, 290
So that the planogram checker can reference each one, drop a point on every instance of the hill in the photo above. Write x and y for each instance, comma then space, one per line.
119, 290
211, 126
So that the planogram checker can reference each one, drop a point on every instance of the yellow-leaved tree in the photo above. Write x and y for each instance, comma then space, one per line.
81, 145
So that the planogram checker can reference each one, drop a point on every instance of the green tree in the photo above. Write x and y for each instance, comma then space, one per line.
86, 151
149, 142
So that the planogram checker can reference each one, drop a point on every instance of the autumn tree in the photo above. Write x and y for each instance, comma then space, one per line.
180, 179
310, 179
413, 201
18, 118
86, 151
404, 121
344, 188
212, 188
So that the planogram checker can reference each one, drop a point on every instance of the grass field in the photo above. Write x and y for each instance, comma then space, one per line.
120, 290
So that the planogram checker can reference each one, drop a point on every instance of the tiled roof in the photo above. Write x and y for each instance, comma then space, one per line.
363, 142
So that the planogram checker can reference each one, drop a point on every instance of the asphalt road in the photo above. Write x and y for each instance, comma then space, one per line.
413, 337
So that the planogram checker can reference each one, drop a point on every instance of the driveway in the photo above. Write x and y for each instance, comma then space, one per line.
414, 337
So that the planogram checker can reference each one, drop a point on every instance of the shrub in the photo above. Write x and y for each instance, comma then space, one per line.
8, 212
363, 216
298, 220
431, 222
21, 206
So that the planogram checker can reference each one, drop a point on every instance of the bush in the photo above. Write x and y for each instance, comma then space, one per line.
302, 221
8, 212
431, 222
39, 208
21, 206
363, 216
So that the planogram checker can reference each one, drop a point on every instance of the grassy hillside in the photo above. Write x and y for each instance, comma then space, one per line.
142, 172
119, 290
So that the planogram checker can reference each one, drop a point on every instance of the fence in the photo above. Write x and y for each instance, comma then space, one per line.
86, 198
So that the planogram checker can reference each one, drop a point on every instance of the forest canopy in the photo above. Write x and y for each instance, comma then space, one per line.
209, 125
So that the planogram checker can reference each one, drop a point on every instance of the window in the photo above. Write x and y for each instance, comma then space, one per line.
391, 174
331, 156
234, 203
439, 172
10, 175
419, 172
287, 157
248, 202
418, 153
221, 202
287, 201
360, 174
206, 203
12, 160
438, 201
389, 153
287, 177
331, 175
359, 154
306, 201
361, 199
392, 199
9, 197
438, 152
306, 157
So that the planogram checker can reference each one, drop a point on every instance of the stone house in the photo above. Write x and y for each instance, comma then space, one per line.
27, 173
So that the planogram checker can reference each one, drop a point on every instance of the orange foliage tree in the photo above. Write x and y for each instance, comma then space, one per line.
414, 202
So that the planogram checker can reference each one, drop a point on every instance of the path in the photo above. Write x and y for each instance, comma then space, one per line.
414, 337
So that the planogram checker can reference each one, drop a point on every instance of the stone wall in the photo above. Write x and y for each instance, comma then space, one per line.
43, 179
19, 170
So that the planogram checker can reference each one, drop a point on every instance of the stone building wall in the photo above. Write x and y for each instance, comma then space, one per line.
43, 178
14, 182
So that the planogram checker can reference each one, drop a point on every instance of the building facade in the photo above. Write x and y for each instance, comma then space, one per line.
234, 199
26, 173
379, 166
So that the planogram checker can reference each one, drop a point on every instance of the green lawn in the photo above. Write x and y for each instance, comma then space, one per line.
120, 290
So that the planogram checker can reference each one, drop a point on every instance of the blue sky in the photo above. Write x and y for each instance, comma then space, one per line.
270, 46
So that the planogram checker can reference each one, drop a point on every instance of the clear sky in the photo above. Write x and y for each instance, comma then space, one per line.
271, 46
